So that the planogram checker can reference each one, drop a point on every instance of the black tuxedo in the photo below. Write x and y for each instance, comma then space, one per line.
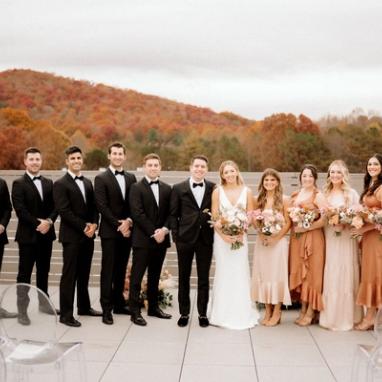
77, 247
115, 248
192, 235
34, 247
147, 253
5, 215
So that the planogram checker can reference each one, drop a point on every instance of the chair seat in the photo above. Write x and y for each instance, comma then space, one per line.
34, 352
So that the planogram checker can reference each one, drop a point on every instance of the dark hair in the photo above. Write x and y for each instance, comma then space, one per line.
31, 150
313, 170
118, 145
71, 150
199, 156
151, 156
368, 188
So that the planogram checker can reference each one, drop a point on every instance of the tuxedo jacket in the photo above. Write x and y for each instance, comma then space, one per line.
73, 210
146, 214
110, 202
29, 207
188, 221
5, 210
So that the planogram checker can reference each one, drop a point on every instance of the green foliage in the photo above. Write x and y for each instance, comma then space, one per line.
96, 159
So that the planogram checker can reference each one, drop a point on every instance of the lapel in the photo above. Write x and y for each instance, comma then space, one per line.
44, 184
32, 186
188, 189
150, 192
114, 181
207, 194
75, 188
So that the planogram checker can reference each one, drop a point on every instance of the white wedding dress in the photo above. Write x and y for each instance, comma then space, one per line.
230, 305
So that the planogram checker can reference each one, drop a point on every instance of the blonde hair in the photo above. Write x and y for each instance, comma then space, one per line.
345, 187
262, 197
239, 179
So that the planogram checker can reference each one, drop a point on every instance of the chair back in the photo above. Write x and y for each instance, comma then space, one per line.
36, 320
378, 327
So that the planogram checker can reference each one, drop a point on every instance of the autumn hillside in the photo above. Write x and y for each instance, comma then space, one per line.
52, 112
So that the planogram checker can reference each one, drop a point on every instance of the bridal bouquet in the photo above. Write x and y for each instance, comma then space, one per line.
232, 222
268, 222
302, 217
342, 215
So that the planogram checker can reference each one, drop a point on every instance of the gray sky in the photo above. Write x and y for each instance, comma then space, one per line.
251, 57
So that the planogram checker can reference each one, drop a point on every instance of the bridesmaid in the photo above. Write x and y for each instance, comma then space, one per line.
270, 260
341, 274
307, 250
370, 289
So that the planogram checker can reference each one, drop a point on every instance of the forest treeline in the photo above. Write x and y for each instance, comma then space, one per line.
51, 112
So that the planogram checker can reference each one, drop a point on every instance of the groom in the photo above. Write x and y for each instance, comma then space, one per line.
193, 235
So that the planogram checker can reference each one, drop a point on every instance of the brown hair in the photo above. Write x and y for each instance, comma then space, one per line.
151, 156
118, 145
262, 197
313, 170
199, 156
239, 179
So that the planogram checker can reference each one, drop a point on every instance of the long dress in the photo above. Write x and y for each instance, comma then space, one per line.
270, 273
231, 305
370, 289
341, 274
306, 261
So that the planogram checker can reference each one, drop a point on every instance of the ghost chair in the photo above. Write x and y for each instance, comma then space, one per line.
3, 369
29, 342
367, 364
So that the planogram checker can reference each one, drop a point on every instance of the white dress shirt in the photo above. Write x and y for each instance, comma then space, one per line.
80, 184
121, 181
198, 191
37, 183
154, 188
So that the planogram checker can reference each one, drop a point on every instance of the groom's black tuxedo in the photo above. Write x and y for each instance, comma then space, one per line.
147, 253
192, 235
5, 215
75, 212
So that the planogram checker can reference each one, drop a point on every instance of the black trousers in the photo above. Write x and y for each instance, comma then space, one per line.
152, 260
38, 253
115, 256
203, 256
75, 272
1, 254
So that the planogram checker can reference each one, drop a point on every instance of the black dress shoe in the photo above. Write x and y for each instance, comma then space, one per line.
48, 310
158, 312
107, 318
183, 321
91, 312
203, 321
23, 319
137, 319
122, 310
70, 322
5, 314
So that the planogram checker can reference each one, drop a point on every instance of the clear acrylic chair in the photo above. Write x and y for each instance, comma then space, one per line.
3, 369
367, 362
29, 341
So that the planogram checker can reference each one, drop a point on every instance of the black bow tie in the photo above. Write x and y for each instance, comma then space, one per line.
197, 185
36, 178
81, 177
119, 172
154, 182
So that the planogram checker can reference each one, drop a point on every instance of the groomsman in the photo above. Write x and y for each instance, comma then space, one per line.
5, 216
193, 235
112, 189
74, 199
149, 203
32, 196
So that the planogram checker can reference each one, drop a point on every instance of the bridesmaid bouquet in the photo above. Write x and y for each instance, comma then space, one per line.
375, 217
302, 217
342, 215
232, 222
268, 222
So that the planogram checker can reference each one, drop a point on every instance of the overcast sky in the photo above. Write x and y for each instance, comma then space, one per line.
251, 57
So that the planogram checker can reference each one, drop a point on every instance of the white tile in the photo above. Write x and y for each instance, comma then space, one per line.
218, 354
294, 374
192, 373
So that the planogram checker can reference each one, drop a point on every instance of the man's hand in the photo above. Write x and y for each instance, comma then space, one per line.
44, 226
159, 235
90, 229
124, 227
2, 229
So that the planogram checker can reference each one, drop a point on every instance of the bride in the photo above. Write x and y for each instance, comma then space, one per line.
231, 305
